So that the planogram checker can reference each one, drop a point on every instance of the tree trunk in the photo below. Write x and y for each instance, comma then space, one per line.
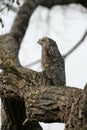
9, 47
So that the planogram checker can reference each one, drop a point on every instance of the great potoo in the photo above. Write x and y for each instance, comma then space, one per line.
52, 62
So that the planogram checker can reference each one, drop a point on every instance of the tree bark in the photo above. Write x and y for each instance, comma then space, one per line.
9, 47
23, 88
49, 104
51, 3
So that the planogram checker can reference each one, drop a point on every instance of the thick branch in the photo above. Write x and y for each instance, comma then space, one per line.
21, 22
8, 50
52, 104
13, 78
10, 43
51, 3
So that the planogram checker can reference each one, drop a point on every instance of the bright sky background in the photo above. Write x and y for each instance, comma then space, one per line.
66, 25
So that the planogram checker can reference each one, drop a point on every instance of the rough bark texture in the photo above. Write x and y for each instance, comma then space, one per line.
9, 47
49, 104
26, 94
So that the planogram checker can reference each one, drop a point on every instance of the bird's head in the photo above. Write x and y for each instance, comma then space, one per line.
43, 41
47, 43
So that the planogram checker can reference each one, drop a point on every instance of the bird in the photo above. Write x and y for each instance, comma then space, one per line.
52, 62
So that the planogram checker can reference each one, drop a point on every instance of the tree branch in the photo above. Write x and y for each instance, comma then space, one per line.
18, 87
21, 22
51, 3
76, 46
13, 78
51, 104
10, 43
8, 50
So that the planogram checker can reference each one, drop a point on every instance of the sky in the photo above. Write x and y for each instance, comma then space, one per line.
64, 24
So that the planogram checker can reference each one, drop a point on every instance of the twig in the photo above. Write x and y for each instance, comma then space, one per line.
9, 7
3, 8
76, 46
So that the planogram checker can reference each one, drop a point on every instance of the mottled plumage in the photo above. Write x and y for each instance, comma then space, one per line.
52, 62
